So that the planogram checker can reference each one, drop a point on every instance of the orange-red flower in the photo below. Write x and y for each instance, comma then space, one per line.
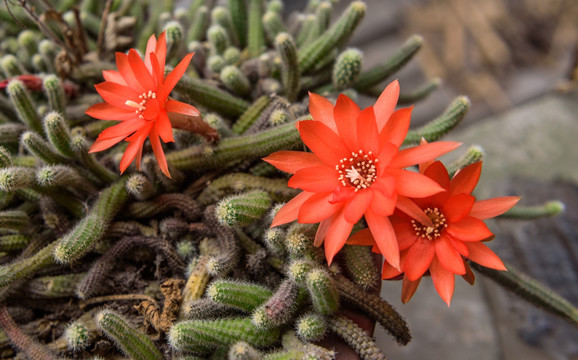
457, 233
355, 169
137, 95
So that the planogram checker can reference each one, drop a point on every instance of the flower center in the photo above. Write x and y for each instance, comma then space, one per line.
427, 232
358, 171
141, 107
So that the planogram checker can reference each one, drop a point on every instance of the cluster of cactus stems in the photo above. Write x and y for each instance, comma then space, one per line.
69, 221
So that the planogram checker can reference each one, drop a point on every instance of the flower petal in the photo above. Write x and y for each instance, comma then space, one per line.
469, 276
127, 73
181, 108
315, 179
135, 143
448, 256
443, 281
422, 153
164, 128
290, 210
386, 154
482, 255
151, 47
408, 288
355, 208
317, 208
159, 153
361, 238
412, 184
326, 144
321, 109
386, 103
336, 236
100, 145
292, 161
419, 258
411, 209
140, 71
395, 130
161, 51
384, 236
321, 232
116, 94
457, 207
113, 76
367, 137
174, 76
105, 111
469, 229
465, 180
404, 233
486, 209
383, 205
122, 129
345, 114
388, 271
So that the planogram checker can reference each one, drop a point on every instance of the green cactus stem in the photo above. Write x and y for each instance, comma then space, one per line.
32, 348
334, 37
311, 327
14, 178
140, 187
280, 307
355, 337
230, 150
299, 269
243, 351
473, 154
550, 208
40, 148
53, 287
379, 73
218, 39
13, 220
307, 28
204, 309
347, 68
27, 266
359, 264
24, 106
323, 292
441, 125
199, 24
292, 343
211, 97
163, 203
273, 240
418, 94
10, 135
238, 11
241, 295
220, 16
531, 290
376, 308
199, 335
174, 34
235, 80
323, 15
78, 336
230, 250
255, 35
11, 66
80, 147
13, 242
243, 209
54, 93
273, 25
251, 115
290, 75
58, 134
62, 176
299, 242
133, 343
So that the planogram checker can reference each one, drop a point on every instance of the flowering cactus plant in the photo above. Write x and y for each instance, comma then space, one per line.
206, 248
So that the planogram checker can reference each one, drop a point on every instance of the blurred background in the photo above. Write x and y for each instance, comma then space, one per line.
517, 62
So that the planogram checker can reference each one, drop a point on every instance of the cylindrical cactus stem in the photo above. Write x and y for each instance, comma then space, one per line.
80, 147
54, 93
13, 242
136, 345
299, 242
10, 135
53, 287
211, 97
29, 346
174, 35
473, 154
48, 50
78, 336
232, 56
334, 37
203, 335
273, 25
58, 133
164, 202
275, 5
63, 176
280, 307
14, 178
291, 342
13, 220
376, 307
199, 24
290, 74
243, 209
251, 115
299, 269
238, 11
380, 72
28, 266
40, 148
80, 239
110, 201
441, 125
241, 295
243, 351
531, 290
230, 250
311, 327
204, 309
39, 64
355, 337
255, 36
324, 294
418, 94
551, 208
216, 122
347, 68
359, 264
216, 63
220, 16
196, 282
25, 107
273, 240
140, 187
307, 28
323, 15
230, 150
235, 80
11, 66
218, 39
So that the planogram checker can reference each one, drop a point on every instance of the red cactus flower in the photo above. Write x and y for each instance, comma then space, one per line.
355, 169
457, 233
137, 95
